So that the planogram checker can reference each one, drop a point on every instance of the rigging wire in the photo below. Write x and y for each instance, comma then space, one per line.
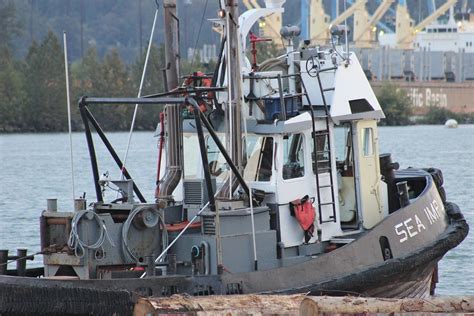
142, 80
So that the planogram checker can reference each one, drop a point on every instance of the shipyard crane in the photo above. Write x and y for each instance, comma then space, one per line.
406, 31
270, 26
319, 28
364, 26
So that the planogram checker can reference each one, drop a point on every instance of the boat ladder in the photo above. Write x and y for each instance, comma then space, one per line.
322, 157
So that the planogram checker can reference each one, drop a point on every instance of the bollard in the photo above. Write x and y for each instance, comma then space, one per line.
79, 205
402, 188
3, 261
21, 262
150, 266
52, 205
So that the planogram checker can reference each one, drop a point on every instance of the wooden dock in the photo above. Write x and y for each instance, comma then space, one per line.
302, 305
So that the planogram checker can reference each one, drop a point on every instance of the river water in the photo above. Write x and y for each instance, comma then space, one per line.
35, 167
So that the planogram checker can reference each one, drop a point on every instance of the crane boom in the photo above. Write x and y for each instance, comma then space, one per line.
350, 11
320, 33
420, 26
378, 14
441, 10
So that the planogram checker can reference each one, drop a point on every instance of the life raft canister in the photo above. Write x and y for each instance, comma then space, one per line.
199, 79
305, 214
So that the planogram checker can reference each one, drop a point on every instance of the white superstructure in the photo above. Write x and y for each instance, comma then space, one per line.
451, 36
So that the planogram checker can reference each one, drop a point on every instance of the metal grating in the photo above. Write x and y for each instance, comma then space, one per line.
208, 225
193, 192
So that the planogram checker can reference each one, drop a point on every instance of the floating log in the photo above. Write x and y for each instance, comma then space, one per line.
220, 304
299, 304
355, 305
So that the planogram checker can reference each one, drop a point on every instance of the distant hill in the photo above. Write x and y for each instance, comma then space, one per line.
126, 24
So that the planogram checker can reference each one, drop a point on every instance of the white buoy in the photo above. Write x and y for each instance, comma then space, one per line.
451, 123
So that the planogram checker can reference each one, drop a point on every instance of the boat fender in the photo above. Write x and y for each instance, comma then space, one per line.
305, 214
437, 176
453, 211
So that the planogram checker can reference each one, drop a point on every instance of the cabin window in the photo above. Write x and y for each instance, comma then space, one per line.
217, 163
367, 139
320, 157
293, 156
258, 158
191, 151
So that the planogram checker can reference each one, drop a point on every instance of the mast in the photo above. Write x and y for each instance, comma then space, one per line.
234, 83
171, 26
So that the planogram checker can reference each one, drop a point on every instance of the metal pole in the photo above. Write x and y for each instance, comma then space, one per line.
345, 25
66, 68
229, 98
171, 43
90, 146
252, 217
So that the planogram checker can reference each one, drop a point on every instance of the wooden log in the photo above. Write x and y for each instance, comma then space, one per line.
355, 305
216, 304
298, 304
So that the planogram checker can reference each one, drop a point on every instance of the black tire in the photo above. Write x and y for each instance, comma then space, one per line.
35, 300
453, 211
442, 194
437, 176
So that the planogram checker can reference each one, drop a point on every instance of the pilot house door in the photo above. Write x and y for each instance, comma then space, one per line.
366, 154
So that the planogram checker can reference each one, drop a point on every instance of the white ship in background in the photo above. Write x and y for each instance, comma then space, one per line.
457, 34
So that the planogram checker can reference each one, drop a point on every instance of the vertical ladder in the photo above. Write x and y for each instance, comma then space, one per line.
317, 153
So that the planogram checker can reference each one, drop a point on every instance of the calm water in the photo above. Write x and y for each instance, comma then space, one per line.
35, 167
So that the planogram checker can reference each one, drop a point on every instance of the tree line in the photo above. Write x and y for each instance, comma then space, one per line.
33, 89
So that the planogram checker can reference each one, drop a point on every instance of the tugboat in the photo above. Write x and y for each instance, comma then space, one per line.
273, 184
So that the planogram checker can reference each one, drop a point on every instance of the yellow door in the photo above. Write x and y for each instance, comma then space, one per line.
368, 172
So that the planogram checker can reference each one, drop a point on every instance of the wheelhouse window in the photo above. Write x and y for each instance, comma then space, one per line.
367, 139
320, 156
259, 158
217, 163
293, 156
190, 148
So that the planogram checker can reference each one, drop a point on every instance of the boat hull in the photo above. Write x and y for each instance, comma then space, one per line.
419, 235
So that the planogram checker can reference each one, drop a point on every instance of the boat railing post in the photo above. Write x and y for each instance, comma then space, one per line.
21, 262
402, 188
282, 99
3, 261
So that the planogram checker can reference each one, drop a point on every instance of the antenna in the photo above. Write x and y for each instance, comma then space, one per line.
69, 114
345, 25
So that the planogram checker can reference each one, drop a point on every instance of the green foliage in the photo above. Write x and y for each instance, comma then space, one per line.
12, 95
439, 115
9, 24
45, 86
396, 105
